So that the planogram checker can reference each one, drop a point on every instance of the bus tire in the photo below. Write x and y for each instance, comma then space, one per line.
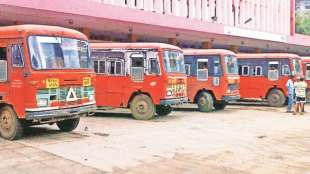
205, 102
68, 125
276, 98
11, 127
163, 110
142, 107
220, 105
308, 95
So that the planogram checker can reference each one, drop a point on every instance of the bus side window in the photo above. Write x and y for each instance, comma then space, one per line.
17, 56
3, 64
245, 70
202, 70
153, 66
307, 72
100, 66
286, 70
115, 67
258, 71
188, 69
137, 66
217, 68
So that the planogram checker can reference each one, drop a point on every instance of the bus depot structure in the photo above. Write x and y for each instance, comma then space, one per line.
237, 25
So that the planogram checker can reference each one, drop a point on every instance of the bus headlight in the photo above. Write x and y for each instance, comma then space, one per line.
91, 97
42, 102
169, 92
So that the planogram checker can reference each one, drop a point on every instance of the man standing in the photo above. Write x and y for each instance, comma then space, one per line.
300, 91
290, 90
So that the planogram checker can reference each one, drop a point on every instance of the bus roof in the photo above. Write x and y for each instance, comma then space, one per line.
26, 30
142, 45
207, 52
305, 59
267, 55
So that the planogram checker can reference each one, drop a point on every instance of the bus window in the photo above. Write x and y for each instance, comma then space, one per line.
286, 70
202, 69
153, 66
307, 72
115, 67
17, 56
3, 64
273, 70
188, 69
217, 67
258, 71
99, 66
245, 70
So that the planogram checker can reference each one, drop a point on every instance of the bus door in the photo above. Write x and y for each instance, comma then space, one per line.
137, 67
3, 69
273, 70
202, 69
17, 74
307, 74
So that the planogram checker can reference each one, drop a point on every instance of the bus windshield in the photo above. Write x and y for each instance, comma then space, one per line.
297, 66
231, 65
48, 52
174, 61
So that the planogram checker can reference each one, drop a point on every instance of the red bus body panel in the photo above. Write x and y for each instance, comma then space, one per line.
257, 87
194, 86
116, 91
20, 89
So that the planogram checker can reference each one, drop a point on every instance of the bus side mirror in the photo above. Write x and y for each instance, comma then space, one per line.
3, 70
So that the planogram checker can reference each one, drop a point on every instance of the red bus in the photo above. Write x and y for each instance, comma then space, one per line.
146, 77
213, 78
264, 76
306, 67
45, 77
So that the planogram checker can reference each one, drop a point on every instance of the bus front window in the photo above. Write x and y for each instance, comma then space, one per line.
231, 65
297, 66
48, 52
174, 61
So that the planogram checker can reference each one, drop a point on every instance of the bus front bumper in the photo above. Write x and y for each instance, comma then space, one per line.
228, 98
174, 101
59, 113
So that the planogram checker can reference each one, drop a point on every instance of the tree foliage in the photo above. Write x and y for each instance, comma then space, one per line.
303, 23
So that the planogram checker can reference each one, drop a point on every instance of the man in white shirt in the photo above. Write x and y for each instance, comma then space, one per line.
300, 91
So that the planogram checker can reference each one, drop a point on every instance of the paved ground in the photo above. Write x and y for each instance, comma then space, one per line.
241, 139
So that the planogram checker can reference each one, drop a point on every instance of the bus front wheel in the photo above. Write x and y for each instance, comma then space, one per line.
68, 125
205, 102
163, 110
142, 107
220, 105
276, 98
10, 126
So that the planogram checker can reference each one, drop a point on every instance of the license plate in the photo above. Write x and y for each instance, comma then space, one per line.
52, 83
86, 81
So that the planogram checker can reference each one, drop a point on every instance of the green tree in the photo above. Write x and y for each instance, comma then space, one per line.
303, 23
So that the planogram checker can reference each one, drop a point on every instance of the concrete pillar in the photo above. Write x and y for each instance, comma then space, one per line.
85, 31
207, 45
132, 37
258, 50
234, 48
172, 41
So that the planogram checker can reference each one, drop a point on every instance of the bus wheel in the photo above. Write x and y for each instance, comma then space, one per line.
220, 105
163, 110
68, 125
142, 107
205, 102
276, 98
10, 126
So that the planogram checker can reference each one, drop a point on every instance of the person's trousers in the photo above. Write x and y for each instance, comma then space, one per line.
290, 102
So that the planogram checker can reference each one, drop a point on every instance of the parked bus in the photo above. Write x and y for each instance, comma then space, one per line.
306, 67
264, 76
146, 77
45, 77
213, 78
